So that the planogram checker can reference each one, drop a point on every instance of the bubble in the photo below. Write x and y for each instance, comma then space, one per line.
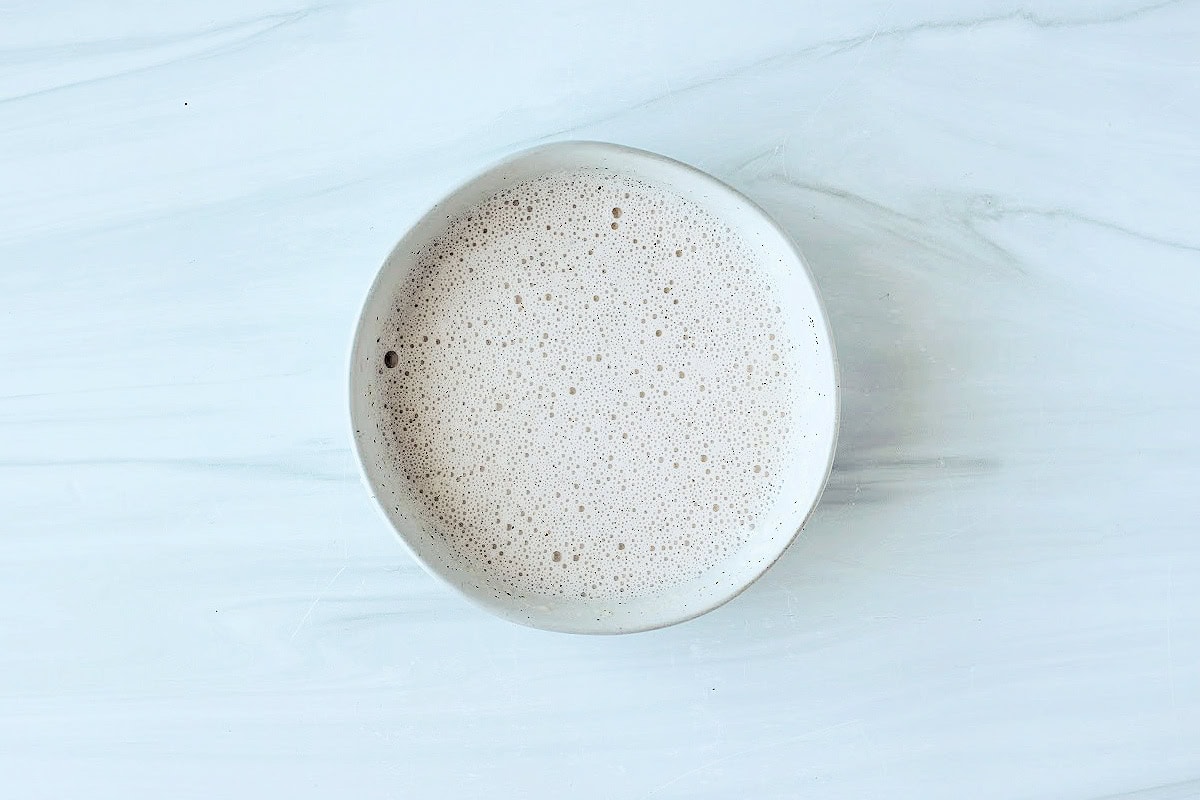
390, 359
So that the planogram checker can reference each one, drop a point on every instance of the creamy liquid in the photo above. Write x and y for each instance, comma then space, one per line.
586, 385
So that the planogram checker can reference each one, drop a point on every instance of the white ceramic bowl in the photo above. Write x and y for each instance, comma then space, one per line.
817, 417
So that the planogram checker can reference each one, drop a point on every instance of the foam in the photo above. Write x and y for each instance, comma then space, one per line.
586, 384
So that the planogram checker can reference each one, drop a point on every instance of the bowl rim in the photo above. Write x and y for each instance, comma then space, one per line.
823, 323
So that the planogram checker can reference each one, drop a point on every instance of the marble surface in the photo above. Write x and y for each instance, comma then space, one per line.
999, 596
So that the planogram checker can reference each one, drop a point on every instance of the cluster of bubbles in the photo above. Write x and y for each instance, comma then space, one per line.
585, 386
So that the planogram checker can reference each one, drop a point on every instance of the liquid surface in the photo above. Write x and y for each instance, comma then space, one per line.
586, 386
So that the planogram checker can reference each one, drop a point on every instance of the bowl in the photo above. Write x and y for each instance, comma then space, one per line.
811, 407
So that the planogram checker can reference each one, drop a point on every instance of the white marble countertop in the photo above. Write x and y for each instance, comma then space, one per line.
999, 596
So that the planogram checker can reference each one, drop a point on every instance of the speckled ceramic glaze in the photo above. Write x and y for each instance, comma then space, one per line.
594, 390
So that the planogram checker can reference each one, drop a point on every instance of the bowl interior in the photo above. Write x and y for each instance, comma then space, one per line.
815, 407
